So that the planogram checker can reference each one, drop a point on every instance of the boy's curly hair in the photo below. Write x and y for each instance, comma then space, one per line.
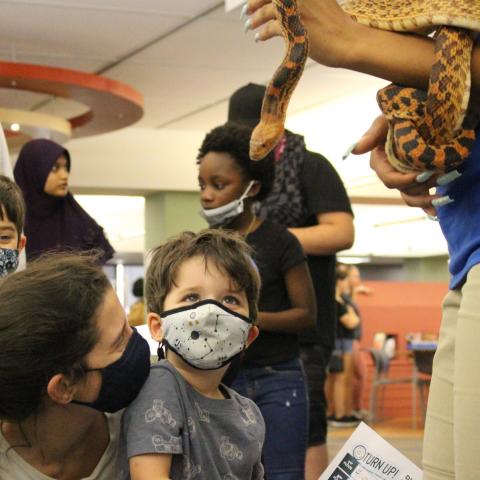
227, 250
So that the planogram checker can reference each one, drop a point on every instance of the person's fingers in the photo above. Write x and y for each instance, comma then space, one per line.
253, 5
265, 20
374, 136
387, 174
421, 201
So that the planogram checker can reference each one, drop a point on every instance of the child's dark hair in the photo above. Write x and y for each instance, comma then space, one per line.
47, 326
137, 288
227, 250
234, 139
12, 203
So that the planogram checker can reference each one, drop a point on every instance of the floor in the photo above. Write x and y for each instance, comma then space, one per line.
396, 431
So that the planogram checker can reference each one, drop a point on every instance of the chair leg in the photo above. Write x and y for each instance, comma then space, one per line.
373, 402
414, 402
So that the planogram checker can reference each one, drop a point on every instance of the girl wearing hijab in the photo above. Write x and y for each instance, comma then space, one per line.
54, 219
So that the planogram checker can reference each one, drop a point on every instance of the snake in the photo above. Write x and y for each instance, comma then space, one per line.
431, 129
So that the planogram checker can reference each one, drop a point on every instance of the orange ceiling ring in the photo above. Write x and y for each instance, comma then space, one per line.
111, 104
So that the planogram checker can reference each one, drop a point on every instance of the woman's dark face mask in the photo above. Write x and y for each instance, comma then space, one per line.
123, 379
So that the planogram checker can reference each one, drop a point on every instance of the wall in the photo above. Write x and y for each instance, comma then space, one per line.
399, 308
169, 213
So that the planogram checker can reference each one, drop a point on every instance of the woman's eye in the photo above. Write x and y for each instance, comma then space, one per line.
5, 238
201, 187
219, 186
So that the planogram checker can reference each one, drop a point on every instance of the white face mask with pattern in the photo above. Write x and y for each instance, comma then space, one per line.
9, 259
221, 215
206, 335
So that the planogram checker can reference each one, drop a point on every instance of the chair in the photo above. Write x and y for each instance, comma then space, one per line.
381, 379
422, 374
420, 379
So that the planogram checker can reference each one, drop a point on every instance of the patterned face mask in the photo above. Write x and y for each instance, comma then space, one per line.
8, 261
206, 335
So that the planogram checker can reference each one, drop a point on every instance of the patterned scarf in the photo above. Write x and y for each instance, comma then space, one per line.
286, 203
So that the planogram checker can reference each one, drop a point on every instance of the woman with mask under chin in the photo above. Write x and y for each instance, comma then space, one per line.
69, 365
271, 373
54, 219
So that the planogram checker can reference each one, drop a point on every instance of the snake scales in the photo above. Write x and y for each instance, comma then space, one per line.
432, 130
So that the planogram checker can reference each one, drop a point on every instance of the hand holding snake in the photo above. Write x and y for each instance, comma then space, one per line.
417, 141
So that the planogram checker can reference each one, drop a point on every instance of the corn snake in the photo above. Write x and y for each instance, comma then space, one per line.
432, 130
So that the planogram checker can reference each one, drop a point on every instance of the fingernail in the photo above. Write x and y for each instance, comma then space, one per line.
257, 37
349, 150
440, 202
424, 176
243, 12
448, 177
433, 218
247, 25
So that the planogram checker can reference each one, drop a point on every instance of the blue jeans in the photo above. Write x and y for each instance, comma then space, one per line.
281, 394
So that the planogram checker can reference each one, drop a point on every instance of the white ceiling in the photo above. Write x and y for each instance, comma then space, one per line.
186, 57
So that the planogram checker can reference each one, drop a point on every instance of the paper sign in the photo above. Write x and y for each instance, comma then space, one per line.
367, 456
231, 4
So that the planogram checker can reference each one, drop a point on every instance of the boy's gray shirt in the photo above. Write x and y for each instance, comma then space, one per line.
209, 439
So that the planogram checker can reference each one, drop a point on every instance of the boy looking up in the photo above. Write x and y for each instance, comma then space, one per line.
201, 292
12, 217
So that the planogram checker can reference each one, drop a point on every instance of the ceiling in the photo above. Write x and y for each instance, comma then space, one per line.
186, 57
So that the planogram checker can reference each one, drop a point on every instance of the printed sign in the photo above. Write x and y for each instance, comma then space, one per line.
367, 456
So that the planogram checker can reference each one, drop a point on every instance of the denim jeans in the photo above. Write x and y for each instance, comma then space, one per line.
281, 394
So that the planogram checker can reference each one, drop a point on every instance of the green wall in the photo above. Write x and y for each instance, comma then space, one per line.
428, 269
169, 213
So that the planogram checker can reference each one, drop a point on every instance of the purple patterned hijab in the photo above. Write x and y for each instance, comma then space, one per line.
53, 222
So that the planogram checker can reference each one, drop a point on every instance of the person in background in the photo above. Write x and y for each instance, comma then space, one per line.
339, 383
452, 424
69, 365
12, 216
309, 198
54, 219
136, 315
201, 292
271, 372
352, 289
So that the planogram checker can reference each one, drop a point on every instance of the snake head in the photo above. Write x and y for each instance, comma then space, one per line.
263, 140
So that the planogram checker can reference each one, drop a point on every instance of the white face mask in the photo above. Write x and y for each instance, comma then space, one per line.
221, 215
206, 335
9, 259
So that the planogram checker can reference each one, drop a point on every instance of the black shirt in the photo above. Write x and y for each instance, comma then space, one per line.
276, 251
342, 331
324, 192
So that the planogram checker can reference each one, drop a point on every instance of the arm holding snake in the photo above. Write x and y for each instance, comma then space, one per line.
338, 41
385, 54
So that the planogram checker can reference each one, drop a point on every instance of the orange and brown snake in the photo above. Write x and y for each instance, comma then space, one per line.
433, 130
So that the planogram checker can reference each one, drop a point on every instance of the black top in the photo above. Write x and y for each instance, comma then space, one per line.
324, 192
349, 301
276, 250
342, 331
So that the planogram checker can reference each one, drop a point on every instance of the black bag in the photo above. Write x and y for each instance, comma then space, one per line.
335, 365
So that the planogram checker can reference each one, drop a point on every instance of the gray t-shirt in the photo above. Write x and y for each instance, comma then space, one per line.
209, 439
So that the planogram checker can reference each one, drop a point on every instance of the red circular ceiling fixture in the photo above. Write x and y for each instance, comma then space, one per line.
111, 104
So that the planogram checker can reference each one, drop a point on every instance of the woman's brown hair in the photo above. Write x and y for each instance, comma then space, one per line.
47, 326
